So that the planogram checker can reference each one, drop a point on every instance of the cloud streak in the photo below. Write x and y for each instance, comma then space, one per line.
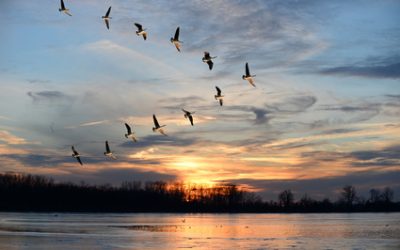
377, 71
81, 86
9, 138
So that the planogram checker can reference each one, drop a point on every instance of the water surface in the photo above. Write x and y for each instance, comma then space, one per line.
199, 231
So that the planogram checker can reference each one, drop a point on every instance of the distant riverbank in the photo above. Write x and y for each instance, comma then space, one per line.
27, 193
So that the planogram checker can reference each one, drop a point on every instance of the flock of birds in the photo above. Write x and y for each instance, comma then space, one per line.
187, 114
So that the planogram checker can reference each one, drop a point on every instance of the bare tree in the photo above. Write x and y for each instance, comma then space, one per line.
387, 195
349, 195
306, 201
286, 198
374, 195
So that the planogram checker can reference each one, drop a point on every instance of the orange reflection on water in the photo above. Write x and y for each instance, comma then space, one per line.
265, 231
199, 231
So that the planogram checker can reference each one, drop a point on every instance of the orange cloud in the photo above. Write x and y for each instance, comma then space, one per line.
9, 138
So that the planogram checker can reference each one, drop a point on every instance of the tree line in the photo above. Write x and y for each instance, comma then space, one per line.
19, 192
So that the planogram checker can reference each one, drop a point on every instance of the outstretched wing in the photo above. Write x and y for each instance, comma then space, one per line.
145, 35
128, 128
221, 102
218, 90
206, 55
210, 64
107, 23
176, 37
185, 111
66, 12
155, 122
162, 132
139, 26
107, 147
79, 160
73, 150
178, 46
247, 70
62, 5
108, 12
191, 119
251, 81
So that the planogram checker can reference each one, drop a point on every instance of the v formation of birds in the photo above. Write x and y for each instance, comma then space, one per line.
207, 58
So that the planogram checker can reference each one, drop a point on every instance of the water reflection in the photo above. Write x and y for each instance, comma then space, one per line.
210, 231
154, 228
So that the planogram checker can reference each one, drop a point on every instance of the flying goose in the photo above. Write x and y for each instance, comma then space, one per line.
175, 40
248, 77
76, 155
129, 134
107, 18
108, 152
63, 9
218, 96
157, 127
141, 31
207, 59
188, 115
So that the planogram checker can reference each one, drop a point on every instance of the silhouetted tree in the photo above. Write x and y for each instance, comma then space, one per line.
37, 193
349, 195
306, 202
286, 198
131, 185
387, 195
374, 195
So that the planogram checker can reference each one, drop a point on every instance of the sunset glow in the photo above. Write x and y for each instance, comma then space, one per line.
325, 111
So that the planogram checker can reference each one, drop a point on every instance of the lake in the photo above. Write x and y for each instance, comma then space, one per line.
199, 231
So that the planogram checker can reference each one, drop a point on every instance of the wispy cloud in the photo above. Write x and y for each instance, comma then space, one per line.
161, 141
48, 96
295, 126
386, 71
93, 123
88, 124
116, 52
389, 156
9, 138
38, 81
294, 104
5, 118
381, 68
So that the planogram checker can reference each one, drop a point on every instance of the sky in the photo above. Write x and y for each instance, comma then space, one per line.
325, 111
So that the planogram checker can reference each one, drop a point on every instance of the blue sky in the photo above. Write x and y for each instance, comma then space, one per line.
325, 112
